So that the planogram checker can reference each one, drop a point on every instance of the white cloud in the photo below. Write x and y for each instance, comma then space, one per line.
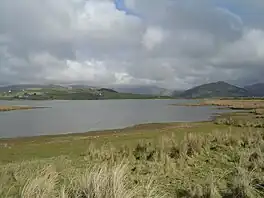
102, 20
246, 51
152, 37
171, 43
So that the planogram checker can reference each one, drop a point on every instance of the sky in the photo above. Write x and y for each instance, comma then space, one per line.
175, 44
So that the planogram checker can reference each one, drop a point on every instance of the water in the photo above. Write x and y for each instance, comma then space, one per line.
83, 116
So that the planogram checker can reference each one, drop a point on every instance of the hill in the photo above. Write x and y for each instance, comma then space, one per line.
177, 93
144, 89
216, 89
256, 89
58, 92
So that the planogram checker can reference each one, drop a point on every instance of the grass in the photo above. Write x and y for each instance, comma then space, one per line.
251, 116
223, 158
63, 93
232, 104
19, 149
225, 163
237, 104
12, 108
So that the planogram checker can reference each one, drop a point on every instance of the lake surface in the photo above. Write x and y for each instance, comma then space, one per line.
83, 116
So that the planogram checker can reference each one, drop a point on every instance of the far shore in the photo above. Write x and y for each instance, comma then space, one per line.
15, 107
229, 104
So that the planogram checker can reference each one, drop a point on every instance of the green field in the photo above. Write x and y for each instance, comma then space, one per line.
64, 93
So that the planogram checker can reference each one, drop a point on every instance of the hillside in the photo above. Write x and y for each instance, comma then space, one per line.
148, 90
27, 86
256, 89
216, 89
177, 93
58, 92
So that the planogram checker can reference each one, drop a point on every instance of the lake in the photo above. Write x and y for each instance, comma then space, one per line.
87, 115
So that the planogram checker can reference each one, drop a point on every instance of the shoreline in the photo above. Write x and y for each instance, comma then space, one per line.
143, 126
72, 144
227, 104
147, 98
118, 131
4, 108
105, 132
129, 130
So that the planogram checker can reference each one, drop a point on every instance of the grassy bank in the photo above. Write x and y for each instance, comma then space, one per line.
12, 108
199, 160
231, 104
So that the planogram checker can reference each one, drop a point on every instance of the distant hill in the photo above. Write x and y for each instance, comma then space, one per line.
27, 86
108, 90
79, 86
146, 90
177, 93
66, 92
216, 89
256, 89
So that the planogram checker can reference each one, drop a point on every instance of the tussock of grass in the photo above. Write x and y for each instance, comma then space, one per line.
220, 164
240, 122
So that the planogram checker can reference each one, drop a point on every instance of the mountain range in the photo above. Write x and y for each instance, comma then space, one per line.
256, 89
222, 89
144, 89
214, 89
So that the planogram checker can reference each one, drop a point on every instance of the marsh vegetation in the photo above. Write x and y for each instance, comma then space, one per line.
224, 163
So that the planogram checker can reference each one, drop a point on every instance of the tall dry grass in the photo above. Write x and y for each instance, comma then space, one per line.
220, 164
236, 104
241, 122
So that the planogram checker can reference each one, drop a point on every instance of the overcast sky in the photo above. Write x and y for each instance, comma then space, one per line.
170, 43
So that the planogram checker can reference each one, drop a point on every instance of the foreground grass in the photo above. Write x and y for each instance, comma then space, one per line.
223, 163
73, 145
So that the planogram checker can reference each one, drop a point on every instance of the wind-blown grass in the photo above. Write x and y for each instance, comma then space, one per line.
219, 164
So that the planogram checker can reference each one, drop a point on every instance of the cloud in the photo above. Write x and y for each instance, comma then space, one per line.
152, 37
176, 44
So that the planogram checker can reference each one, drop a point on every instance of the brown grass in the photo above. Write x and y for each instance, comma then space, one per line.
11, 108
236, 104
220, 164
232, 104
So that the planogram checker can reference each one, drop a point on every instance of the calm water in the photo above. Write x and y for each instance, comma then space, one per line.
83, 116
